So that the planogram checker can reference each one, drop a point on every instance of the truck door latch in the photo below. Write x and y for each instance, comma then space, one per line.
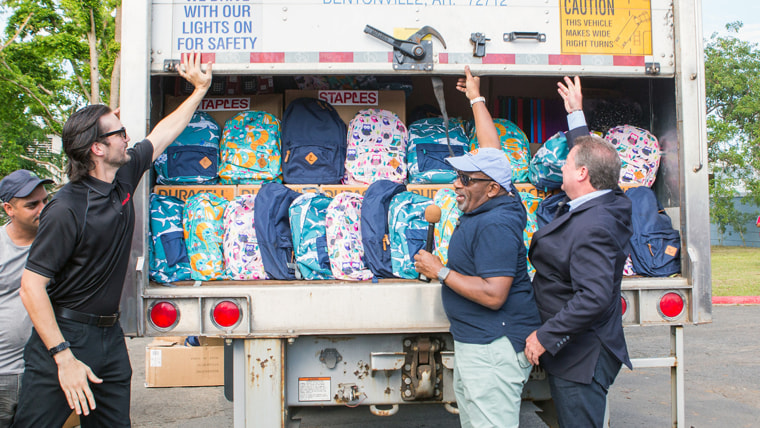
422, 373
412, 53
479, 41
652, 68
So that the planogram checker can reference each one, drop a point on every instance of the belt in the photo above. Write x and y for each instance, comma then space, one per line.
96, 320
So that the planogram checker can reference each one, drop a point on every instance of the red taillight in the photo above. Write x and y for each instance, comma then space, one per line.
671, 305
226, 314
623, 304
164, 314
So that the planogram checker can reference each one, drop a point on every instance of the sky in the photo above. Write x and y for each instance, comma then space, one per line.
717, 13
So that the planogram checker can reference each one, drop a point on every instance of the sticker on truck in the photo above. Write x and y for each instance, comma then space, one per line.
313, 389
604, 28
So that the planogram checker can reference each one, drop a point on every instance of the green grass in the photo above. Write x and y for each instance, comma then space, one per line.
735, 271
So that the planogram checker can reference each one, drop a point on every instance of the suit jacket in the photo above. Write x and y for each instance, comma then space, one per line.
579, 259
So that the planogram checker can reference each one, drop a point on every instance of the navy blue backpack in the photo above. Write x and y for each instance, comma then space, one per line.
374, 226
548, 208
655, 245
272, 223
314, 142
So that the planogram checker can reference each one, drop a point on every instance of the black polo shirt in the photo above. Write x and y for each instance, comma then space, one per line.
85, 237
488, 242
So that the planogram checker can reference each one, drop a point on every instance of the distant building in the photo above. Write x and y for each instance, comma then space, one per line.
732, 238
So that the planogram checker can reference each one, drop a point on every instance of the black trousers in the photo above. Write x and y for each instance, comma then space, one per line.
582, 406
42, 402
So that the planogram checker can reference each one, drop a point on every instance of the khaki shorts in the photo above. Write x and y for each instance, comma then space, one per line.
488, 383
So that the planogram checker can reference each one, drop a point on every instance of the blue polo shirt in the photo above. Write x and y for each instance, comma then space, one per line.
488, 242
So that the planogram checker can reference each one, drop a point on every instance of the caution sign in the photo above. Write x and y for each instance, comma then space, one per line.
606, 27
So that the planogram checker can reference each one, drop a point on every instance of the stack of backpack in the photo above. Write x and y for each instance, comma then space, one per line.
242, 255
193, 158
531, 204
514, 143
446, 200
204, 234
272, 224
545, 170
639, 152
344, 237
168, 255
376, 148
428, 149
313, 143
374, 226
250, 149
655, 246
308, 224
407, 231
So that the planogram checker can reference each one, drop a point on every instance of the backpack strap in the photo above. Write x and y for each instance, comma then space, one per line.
438, 91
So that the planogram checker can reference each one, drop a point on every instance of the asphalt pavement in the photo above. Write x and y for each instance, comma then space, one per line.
722, 377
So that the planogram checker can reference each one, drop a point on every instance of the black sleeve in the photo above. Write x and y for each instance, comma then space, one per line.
575, 133
55, 241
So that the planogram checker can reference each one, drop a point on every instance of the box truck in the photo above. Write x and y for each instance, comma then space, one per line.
297, 344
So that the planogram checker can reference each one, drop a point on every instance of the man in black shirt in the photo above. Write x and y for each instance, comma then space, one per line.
76, 355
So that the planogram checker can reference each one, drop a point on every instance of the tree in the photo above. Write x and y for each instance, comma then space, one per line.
57, 55
732, 83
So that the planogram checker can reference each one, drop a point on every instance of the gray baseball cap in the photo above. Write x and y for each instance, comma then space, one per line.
20, 184
490, 161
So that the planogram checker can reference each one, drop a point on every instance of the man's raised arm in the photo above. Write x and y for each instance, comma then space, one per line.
169, 128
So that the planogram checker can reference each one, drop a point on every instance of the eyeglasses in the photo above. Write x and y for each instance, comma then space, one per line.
121, 132
466, 179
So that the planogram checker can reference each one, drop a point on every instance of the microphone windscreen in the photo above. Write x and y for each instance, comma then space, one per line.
432, 213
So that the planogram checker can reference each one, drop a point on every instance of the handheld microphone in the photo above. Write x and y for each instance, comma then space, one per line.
432, 216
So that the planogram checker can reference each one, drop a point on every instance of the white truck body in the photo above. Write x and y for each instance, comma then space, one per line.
326, 342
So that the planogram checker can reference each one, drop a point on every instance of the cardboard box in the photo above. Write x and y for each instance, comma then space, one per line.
332, 190
72, 421
184, 192
529, 188
252, 189
348, 103
221, 108
169, 363
430, 189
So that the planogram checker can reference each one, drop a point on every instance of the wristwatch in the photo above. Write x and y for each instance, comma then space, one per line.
477, 100
58, 348
443, 273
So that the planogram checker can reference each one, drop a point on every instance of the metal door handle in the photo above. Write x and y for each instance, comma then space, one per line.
519, 35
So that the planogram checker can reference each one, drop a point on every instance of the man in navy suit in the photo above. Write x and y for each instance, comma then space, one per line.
579, 259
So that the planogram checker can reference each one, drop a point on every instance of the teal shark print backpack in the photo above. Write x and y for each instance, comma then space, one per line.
408, 231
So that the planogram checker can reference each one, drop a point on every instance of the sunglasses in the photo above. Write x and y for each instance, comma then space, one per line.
121, 132
466, 179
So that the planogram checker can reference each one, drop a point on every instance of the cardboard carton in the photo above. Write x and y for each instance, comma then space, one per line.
430, 189
222, 108
332, 190
184, 192
72, 421
348, 103
169, 363
252, 189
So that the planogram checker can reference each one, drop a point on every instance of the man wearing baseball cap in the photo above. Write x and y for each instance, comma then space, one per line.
486, 291
23, 195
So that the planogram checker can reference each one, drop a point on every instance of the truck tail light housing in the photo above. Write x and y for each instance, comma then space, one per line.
623, 305
671, 305
164, 315
226, 314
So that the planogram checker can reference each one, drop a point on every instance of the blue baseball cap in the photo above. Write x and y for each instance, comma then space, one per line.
491, 162
20, 184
